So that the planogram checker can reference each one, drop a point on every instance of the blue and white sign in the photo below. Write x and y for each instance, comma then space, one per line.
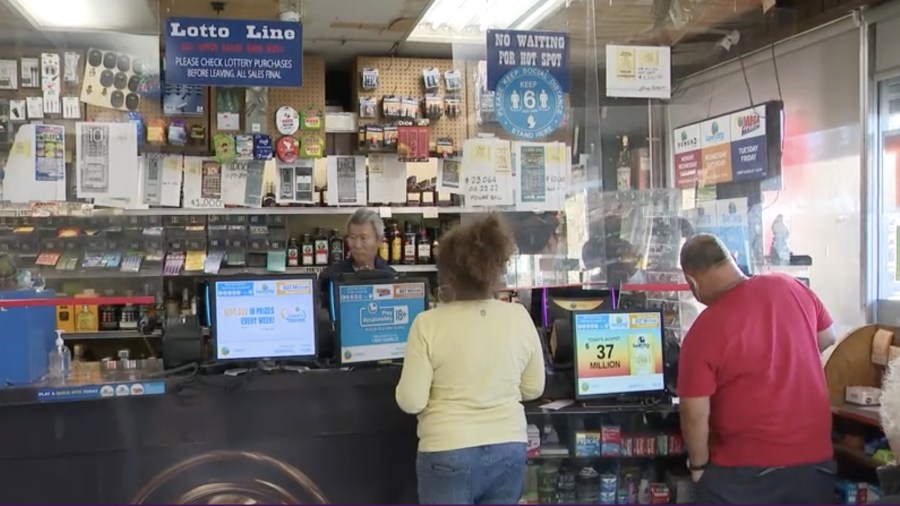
509, 49
530, 103
105, 391
374, 320
233, 52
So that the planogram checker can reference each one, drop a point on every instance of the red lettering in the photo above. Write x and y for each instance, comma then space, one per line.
232, 48
254, 48
274, 49
208, 47
187, 46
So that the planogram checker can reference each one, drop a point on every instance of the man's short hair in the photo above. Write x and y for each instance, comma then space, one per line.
703, 252
890, 402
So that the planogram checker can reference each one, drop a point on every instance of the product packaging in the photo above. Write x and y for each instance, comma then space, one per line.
587, 444
611, 441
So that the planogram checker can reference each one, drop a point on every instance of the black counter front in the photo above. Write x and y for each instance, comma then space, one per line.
302, 438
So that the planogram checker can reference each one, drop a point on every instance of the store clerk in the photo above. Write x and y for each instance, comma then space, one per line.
365, 231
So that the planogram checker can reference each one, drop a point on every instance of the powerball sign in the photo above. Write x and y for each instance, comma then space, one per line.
530, 103
619, 353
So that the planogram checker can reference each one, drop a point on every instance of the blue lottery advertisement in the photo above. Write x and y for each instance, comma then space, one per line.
510, 49
233, 52
107, 391
374, 319
530, 103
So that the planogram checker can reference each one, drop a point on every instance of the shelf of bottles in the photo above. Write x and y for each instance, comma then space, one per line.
624, 458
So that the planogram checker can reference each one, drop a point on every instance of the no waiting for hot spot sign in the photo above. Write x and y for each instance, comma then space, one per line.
508, 49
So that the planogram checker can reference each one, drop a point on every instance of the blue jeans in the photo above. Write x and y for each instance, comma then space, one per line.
490, 474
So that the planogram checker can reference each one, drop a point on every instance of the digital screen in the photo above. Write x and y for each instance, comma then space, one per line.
263, 319
374, 319
618, 353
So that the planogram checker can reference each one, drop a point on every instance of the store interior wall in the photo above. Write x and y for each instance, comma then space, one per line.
819, 194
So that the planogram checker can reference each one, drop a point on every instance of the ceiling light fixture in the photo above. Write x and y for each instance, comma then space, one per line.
131, 16
467, 21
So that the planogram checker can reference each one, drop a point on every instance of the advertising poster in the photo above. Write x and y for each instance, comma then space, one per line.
532, 187
375, 319
715, 145
264, 319
49, 153
618, 353
508, 49
233, 52
639, 71
688, 156
749, 156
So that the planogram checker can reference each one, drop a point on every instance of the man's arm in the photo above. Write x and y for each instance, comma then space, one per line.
695, 428
697, 382
826, 338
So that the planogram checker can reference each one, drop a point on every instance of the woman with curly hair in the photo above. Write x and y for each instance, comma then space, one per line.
469, 364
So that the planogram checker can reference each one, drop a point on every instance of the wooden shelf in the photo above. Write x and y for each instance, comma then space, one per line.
860, 414
857, 456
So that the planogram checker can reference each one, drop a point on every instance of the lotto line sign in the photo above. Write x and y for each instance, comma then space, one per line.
732, 147
233, 52
530, 103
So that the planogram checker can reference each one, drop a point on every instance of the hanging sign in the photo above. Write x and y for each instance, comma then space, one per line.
509, 49
233, 52
530, 103
639, 71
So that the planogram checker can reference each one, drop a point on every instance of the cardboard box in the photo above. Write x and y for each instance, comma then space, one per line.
87, 316
587, 444
863, 396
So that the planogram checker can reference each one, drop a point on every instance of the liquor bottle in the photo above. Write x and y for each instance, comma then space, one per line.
293, 253
335, 247
435, 247
423, 250
128, 318
269, 198
409, 244
624, 166
396, 245
307, 251
321, 247
384, 251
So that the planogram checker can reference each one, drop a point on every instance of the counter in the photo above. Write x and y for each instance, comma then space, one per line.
334, 436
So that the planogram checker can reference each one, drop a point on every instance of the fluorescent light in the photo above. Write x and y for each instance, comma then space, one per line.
467, 21
134, 16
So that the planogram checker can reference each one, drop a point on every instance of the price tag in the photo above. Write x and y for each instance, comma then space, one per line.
206, 203
429, 213
385, 212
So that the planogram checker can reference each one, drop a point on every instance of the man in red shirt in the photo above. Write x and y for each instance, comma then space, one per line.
755, 412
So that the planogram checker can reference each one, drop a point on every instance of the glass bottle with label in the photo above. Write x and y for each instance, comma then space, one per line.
396, 245
624, 166
335, 247
293, 253
307, 251
321, 247
423, 250
384, 251
409, 244
435, 234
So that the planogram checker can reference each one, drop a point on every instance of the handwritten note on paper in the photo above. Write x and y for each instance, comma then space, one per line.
234, 183
483, 185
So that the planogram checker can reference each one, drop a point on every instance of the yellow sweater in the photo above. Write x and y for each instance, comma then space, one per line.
467, 368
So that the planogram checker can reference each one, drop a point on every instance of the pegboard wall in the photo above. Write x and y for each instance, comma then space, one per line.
67, 89
150, 108
563, 134
311, 94
403, 77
